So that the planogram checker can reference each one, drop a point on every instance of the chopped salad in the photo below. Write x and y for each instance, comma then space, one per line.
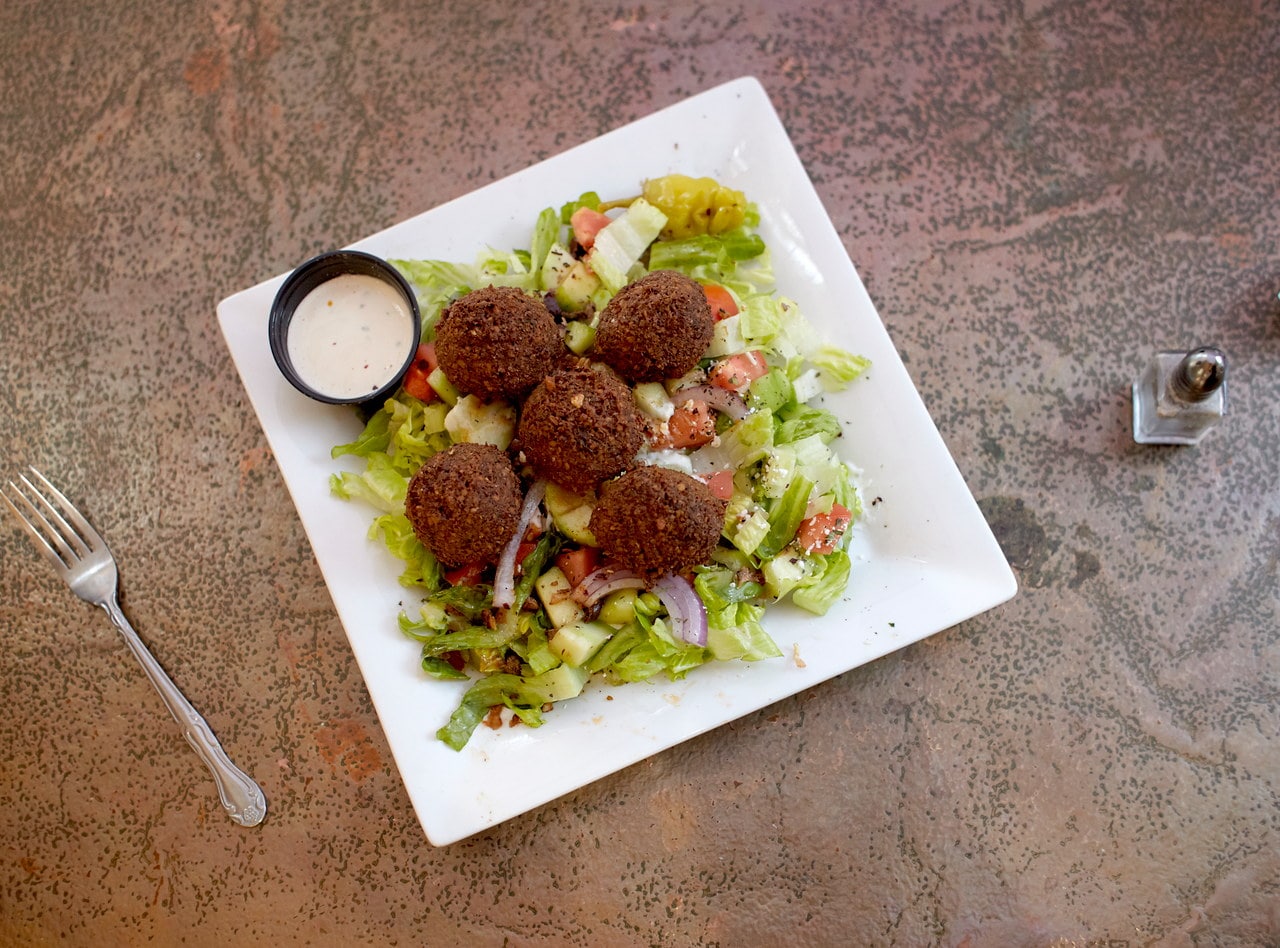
534, 627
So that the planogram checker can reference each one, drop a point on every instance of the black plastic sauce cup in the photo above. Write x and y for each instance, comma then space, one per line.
307, 277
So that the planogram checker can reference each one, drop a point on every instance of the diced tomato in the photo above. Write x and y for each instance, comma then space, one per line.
415, 379
720, 300
524, 549
721, 484
736, 372
578, 563
822, 533
691, 425
586, 223
467, 575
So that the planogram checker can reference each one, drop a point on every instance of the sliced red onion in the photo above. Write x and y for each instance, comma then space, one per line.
603, 581
504, 580
721, 399
684, 606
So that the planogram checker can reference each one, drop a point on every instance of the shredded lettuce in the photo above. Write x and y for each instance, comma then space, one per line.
435, 283
746, 523
620, 245
838, 368
802, 421
534, 650
618, 647
785, 516
819, 591
404, 432
380, 485
421, 568
659, 652
508, 690
734, 629
471, 637
545, 234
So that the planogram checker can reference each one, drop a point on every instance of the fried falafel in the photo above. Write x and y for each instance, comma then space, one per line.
655, 328
464, 503
579, 427
497, 342
655, 521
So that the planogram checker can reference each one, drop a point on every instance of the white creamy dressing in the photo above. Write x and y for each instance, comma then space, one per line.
350, 335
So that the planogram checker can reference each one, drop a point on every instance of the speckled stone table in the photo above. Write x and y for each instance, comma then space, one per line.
1037, 195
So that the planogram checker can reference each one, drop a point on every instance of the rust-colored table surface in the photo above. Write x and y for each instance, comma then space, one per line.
1038, 197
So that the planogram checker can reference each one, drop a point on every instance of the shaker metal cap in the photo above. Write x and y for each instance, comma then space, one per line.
1201, 373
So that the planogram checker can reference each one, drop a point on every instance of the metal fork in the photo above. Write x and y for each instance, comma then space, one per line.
80, 556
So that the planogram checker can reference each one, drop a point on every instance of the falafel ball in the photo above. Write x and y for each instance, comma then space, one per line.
579, 427
497, 342
657, 521
655, 328
464, 503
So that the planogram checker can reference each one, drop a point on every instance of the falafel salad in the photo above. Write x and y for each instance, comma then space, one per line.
609, 456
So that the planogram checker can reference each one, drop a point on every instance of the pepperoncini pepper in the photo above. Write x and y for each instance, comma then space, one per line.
695, 205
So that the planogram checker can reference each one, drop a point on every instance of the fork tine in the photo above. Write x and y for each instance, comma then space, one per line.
79, 529
46, 525
39, 536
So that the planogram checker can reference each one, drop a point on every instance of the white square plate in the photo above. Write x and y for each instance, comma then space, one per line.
924, 559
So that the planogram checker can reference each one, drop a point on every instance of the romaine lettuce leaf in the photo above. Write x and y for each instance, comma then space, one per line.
511, 691
837, 368
734, 630
421, 567
545, 232
819, 591
785, 516
620, 245
379, 485
801, 421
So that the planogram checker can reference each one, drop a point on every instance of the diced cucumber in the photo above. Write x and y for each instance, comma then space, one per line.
619, 607
577, 642
576, 288
558, 263
579, 337
441, 385
783, 573
652, 399
553, 590
560, 683
572, 513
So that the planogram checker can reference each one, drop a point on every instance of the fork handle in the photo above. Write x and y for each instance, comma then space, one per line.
241, 796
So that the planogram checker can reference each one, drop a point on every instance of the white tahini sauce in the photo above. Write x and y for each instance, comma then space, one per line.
350, 335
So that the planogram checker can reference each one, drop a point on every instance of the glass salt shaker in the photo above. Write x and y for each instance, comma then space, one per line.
1180, 396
